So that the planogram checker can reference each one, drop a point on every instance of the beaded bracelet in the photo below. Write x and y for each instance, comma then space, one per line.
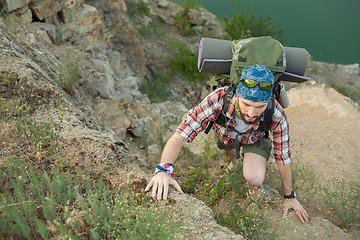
165, 167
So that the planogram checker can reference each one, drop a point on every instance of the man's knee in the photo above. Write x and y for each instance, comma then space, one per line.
254, 168
255, 180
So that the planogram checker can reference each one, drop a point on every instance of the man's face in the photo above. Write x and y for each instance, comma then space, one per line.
251, 111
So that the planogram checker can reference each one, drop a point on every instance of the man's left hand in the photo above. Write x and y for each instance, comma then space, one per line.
294, 204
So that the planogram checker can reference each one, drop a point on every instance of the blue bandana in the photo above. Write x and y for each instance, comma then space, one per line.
259, 74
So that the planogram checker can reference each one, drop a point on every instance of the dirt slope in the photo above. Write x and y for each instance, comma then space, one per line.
325, 130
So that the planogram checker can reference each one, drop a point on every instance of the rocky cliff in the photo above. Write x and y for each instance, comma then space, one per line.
107, 121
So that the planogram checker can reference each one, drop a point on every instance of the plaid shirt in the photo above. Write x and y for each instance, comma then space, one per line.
210, 108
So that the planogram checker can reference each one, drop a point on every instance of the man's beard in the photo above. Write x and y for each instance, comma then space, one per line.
249, 122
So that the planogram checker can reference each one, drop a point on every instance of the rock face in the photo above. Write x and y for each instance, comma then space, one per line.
15, 4
118, 124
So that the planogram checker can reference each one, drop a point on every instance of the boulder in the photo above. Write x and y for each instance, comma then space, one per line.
44, 9
15, 4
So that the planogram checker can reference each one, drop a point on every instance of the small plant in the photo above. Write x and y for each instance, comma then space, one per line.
68, 74
185, 62
150, 30
35, 204
44, 136
217, 192
195, 177
342, 200
251, 224
344, 89
143, 8
157, 88
9, 77
243, 25
182, 21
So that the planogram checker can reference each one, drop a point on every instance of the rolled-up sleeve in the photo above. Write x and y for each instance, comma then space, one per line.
281, 137
198, 117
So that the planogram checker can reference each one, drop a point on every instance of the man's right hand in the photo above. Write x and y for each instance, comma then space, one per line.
160, 185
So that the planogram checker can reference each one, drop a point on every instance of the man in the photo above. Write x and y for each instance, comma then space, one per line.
243, 117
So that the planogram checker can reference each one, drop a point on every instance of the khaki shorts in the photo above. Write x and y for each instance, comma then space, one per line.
262, 147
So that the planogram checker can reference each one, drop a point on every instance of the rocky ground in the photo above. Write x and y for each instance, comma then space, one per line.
108, 122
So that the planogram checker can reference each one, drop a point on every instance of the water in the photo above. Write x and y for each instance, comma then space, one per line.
328, 29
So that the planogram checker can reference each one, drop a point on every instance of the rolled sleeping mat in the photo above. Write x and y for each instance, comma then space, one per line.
215, 57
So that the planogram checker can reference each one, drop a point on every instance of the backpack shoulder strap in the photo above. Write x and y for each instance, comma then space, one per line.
265, 125
221, 119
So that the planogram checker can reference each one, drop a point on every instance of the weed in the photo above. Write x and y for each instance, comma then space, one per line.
44, 136
47, 205
143, 8
342, 200
68, 74
185, 62
9, 77
345, 90
195, 178
182, 21
250, 224
157, 88
150, 30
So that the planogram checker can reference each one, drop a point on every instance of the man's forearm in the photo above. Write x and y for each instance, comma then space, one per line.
172, 148
286, 177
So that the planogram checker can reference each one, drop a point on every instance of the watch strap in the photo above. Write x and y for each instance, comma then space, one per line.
292, 195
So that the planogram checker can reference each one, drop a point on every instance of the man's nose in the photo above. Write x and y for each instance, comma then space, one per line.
252, 112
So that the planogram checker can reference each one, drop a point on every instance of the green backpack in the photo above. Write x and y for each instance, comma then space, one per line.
250, 51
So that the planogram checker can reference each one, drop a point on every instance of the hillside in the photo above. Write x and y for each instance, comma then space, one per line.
108, 128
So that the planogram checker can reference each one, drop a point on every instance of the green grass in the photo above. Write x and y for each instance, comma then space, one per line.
157, 89
341, 199
228, 196
184, 62
41, 197
68, 74
36, 204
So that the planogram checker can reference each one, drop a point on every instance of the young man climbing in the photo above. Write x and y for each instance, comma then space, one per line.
243, 117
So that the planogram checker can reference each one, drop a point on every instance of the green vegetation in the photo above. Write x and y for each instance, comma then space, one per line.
42, 197
184, 62
346, 90
227, 194
68, 74
243, 25
342, 201
182, 21
143, 8
36, 204
157, 88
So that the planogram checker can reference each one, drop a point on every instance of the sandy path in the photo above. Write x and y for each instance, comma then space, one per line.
325, 131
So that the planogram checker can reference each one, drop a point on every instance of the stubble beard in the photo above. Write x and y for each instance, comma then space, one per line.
243, 118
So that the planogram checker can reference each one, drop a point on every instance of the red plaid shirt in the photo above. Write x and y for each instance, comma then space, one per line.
209, 109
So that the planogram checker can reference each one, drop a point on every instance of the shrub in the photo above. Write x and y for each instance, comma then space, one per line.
182, 21
243, 25
143, 8
185, 62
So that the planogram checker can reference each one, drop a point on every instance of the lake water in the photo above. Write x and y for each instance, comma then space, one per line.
328, 29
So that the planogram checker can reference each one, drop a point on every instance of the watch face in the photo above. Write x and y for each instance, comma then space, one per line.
292, 195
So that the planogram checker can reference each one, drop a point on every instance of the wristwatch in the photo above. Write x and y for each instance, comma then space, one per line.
292, 195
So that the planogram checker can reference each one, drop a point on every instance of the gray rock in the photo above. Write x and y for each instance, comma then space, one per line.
15, 4
162, 3
44, 9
